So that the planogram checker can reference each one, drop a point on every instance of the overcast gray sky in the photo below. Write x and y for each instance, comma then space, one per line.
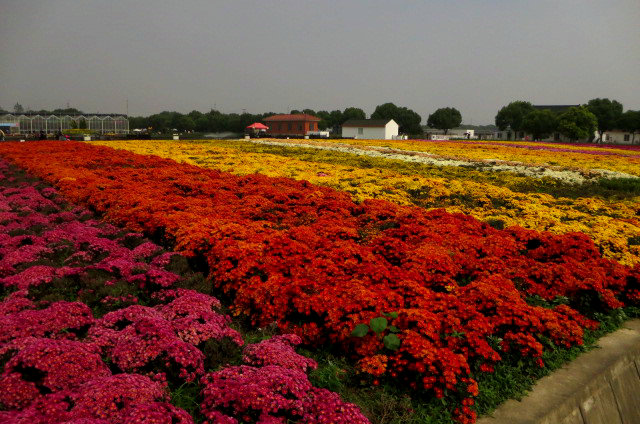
274, 55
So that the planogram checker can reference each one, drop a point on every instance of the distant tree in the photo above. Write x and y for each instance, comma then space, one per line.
608, 113
137, 122
325, 118
17, 108
295, 112
512, 115
408, 120
577, 123
335, 119
160, 121
195, 115
67, 111
82, 124
630, 121
352, 113
184, 123
445, 118
309, 112
540, 123
202, 124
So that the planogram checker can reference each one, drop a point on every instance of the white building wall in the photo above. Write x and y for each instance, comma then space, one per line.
367, 133
618, 137
387, 132
391, 130
612, 137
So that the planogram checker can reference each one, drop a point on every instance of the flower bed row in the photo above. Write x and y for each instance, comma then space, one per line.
624, 161
443, 296
97, 330
610, 224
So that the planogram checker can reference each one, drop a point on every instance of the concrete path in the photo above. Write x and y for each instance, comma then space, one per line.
600, 387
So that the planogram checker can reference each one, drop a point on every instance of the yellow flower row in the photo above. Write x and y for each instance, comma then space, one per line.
481, 150
569, 146
611, 225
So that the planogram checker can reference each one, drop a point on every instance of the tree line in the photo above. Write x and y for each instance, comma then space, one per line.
409, 121
576, 123
19, 109
216, 121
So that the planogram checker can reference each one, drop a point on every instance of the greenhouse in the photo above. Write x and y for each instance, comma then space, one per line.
34, 123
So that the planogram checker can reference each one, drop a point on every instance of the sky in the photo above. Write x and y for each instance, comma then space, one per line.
278, 55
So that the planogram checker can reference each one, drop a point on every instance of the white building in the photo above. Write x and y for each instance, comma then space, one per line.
370, 129
610, 137
620, 137
453, 133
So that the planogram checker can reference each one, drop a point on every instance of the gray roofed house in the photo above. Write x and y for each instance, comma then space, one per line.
370, 129
366, 122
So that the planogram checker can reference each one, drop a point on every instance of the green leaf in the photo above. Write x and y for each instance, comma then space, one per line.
394, 329
393, 315
391, 342
378, 324
361, 330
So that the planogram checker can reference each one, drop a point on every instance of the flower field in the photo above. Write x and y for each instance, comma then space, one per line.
611, 223
587, 158
431, 298
98, 328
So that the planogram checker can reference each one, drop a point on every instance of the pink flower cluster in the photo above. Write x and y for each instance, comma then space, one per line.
47, 366
165, 336
278, 350
55, 351
273, 388
35, 229
271, 394
59, 320
121, 398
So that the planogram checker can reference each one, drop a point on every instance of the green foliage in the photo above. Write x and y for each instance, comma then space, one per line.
352, 113
391, 342
607, 113
540, 123
408, 120
628, 185
378, 325
630, 121
188, 397
445, 118
360, 330
512, 115
578, 123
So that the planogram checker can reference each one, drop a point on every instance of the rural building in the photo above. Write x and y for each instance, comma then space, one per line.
509, 135
454, 133
370, 129
28, 123
620, 137
299, 124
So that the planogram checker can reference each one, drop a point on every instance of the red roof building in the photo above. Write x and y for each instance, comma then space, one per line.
292, 125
